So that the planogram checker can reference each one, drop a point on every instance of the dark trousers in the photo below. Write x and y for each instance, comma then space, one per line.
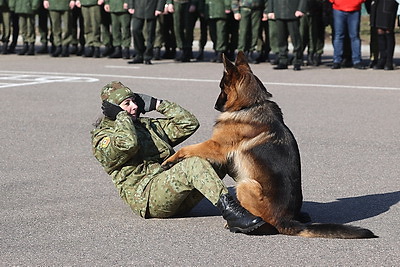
144, 50
284, 29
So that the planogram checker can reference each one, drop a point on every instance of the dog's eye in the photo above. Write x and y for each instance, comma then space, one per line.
224, 81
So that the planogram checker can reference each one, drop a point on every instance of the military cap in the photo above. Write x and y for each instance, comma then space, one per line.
115, 92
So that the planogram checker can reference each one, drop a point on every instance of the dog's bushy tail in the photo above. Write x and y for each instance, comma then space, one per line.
324, 230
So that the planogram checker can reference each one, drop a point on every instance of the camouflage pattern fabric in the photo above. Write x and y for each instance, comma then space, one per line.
132, 153
115, 92
179, 189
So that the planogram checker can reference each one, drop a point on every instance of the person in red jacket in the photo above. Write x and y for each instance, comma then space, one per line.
346, 18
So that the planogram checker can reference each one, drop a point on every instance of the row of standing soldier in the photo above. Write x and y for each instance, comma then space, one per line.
82, 27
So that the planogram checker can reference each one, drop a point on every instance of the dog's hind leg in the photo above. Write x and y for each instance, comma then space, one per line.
249, 193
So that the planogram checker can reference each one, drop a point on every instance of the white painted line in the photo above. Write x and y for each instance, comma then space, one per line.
77, 79
29, 78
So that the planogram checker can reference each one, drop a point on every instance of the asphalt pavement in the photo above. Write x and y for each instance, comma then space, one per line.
59, 208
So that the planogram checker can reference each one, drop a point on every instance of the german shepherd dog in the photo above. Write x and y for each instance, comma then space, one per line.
261, 152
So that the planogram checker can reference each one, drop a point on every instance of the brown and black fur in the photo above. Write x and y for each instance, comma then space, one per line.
262, 153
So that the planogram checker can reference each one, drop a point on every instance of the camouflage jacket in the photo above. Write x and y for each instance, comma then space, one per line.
132, 152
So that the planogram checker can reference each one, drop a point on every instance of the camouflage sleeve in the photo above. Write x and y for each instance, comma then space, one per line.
179, 123
113, 146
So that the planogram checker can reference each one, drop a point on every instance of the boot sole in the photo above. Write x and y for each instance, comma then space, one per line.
247, 230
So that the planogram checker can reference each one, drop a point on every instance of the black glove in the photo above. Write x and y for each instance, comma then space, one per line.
145, 103
110, 110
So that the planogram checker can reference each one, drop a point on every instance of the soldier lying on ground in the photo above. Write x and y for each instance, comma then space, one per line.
131, 149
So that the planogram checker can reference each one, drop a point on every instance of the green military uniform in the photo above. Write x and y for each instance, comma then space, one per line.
92, 20
26, 9
251, 12
5, 17
193, 18
60, 15
106, 31
77, 31
214, 12
121, 27
288, 24
183, 28
132, 153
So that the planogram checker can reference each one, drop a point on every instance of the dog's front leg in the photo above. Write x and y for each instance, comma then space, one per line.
209, 150
177, 156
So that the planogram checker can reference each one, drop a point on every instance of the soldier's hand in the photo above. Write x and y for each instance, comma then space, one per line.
145, 103
110, 110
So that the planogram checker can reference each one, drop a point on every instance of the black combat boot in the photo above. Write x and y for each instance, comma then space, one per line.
157, 53
239, 220
96, 52
43, 49
108, 50
80, 50
186, 55
200, 56
24, 49
65, 51
126, 53
74, 49
31, 49
89, 51
11, 48
117, 53
4, 50
57, 52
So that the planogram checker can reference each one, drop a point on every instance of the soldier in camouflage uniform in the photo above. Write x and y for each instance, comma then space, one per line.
131, 149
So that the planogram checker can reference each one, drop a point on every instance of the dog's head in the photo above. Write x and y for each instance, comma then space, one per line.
240, 88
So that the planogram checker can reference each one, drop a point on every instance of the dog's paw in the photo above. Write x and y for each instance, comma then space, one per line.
167, 165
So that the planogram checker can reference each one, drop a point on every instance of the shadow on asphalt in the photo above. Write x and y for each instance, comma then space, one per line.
342, 210
347, 210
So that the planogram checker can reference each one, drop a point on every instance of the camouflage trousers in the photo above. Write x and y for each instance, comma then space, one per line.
180, 188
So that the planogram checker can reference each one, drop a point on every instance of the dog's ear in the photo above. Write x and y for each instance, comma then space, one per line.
228, 65
241, 60
262, 86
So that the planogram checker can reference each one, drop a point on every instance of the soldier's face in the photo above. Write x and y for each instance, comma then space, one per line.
131, 107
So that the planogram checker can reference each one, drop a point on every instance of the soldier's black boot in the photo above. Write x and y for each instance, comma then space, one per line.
108, 50
57, 52
126, 53
89, 51
11, 48
31, 49
43, 49
239, 219
4, 50
80, 50
157, 53
96, 52
117, 53
200, 56
186, 55
65, 51
24, 49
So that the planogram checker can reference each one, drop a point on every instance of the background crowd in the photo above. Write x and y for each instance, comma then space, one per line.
145, 30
